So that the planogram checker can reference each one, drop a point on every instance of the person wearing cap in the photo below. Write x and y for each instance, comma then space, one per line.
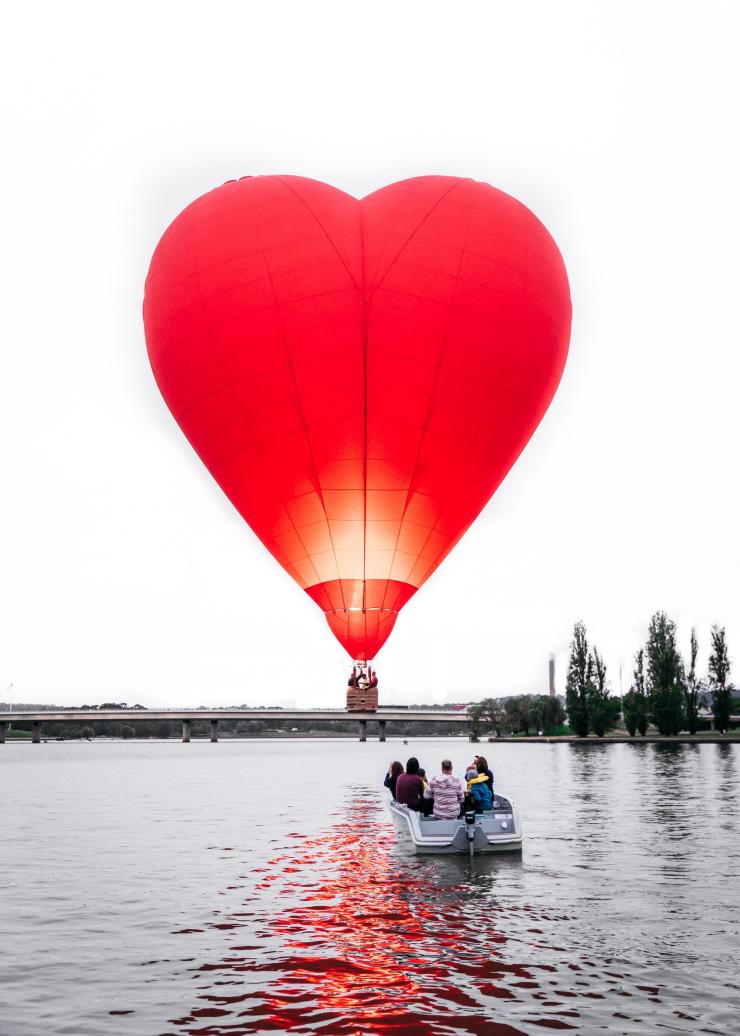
448, 793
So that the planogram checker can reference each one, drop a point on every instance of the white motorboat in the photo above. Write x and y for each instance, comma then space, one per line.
493, 831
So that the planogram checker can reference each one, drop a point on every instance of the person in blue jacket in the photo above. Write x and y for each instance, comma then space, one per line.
478, 790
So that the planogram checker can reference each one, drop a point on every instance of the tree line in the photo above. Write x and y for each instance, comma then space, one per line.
517, 715
665, 690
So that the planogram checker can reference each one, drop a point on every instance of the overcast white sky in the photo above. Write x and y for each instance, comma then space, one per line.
124, 574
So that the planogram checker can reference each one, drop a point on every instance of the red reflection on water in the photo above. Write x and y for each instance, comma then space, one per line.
362, 916
350, 939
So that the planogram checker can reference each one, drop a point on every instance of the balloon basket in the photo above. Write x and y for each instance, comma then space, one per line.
362, 699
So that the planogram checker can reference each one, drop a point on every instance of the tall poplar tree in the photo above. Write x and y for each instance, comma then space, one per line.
691, 690
665, 676
603, 709
640, 692
719, 670
579, 681
634, 703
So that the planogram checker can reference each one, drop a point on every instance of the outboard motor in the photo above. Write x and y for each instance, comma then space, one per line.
470, 827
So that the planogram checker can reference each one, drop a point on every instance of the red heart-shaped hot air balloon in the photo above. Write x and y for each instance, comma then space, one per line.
358, 376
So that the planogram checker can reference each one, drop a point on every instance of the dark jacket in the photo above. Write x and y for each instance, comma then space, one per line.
409, 790
390, 784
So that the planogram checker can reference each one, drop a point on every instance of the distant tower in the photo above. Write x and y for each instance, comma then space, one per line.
551, 667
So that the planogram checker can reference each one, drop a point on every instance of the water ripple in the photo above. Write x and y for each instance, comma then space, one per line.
205, 910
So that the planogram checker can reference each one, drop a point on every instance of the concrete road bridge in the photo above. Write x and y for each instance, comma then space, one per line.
214, 716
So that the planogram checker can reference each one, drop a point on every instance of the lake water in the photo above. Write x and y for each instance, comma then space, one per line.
256, 886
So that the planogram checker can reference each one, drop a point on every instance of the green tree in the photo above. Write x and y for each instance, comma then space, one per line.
537, 713
493, 714
512, 715
629, 709
603, 710
518, 715
475, 720
665, 676
641, 700
547, 713
691, 688
719, 670
579, 681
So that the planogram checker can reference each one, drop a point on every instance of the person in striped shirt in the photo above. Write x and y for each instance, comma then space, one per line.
448, 793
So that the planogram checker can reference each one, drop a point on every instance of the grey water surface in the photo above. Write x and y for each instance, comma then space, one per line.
257, 886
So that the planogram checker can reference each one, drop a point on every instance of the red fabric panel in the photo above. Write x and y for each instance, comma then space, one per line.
362, 632
361, 612
361, 593
358, 376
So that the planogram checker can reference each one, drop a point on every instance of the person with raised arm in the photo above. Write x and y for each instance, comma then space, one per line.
394, 772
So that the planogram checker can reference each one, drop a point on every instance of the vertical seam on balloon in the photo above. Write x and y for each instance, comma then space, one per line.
328, 237
437, 366
254, 444
378, 284
303, 416
364, 419
416, 230
325, 232
230, 386
365, 301
441, 554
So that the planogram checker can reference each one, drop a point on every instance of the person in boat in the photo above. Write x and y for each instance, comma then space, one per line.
479, 793
448, 793
410, 786
427, 805
481, 766
470, 772
394, 772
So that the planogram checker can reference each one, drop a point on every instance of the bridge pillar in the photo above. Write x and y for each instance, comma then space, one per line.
214, 730
36, 732
362, 729
186, 729
3, 728
381, 729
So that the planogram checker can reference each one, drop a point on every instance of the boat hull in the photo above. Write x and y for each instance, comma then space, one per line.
496, 831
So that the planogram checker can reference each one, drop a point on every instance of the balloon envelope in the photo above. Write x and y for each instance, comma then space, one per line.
358, 376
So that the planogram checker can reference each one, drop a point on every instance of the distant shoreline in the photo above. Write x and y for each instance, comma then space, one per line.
619, 739
733, 737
